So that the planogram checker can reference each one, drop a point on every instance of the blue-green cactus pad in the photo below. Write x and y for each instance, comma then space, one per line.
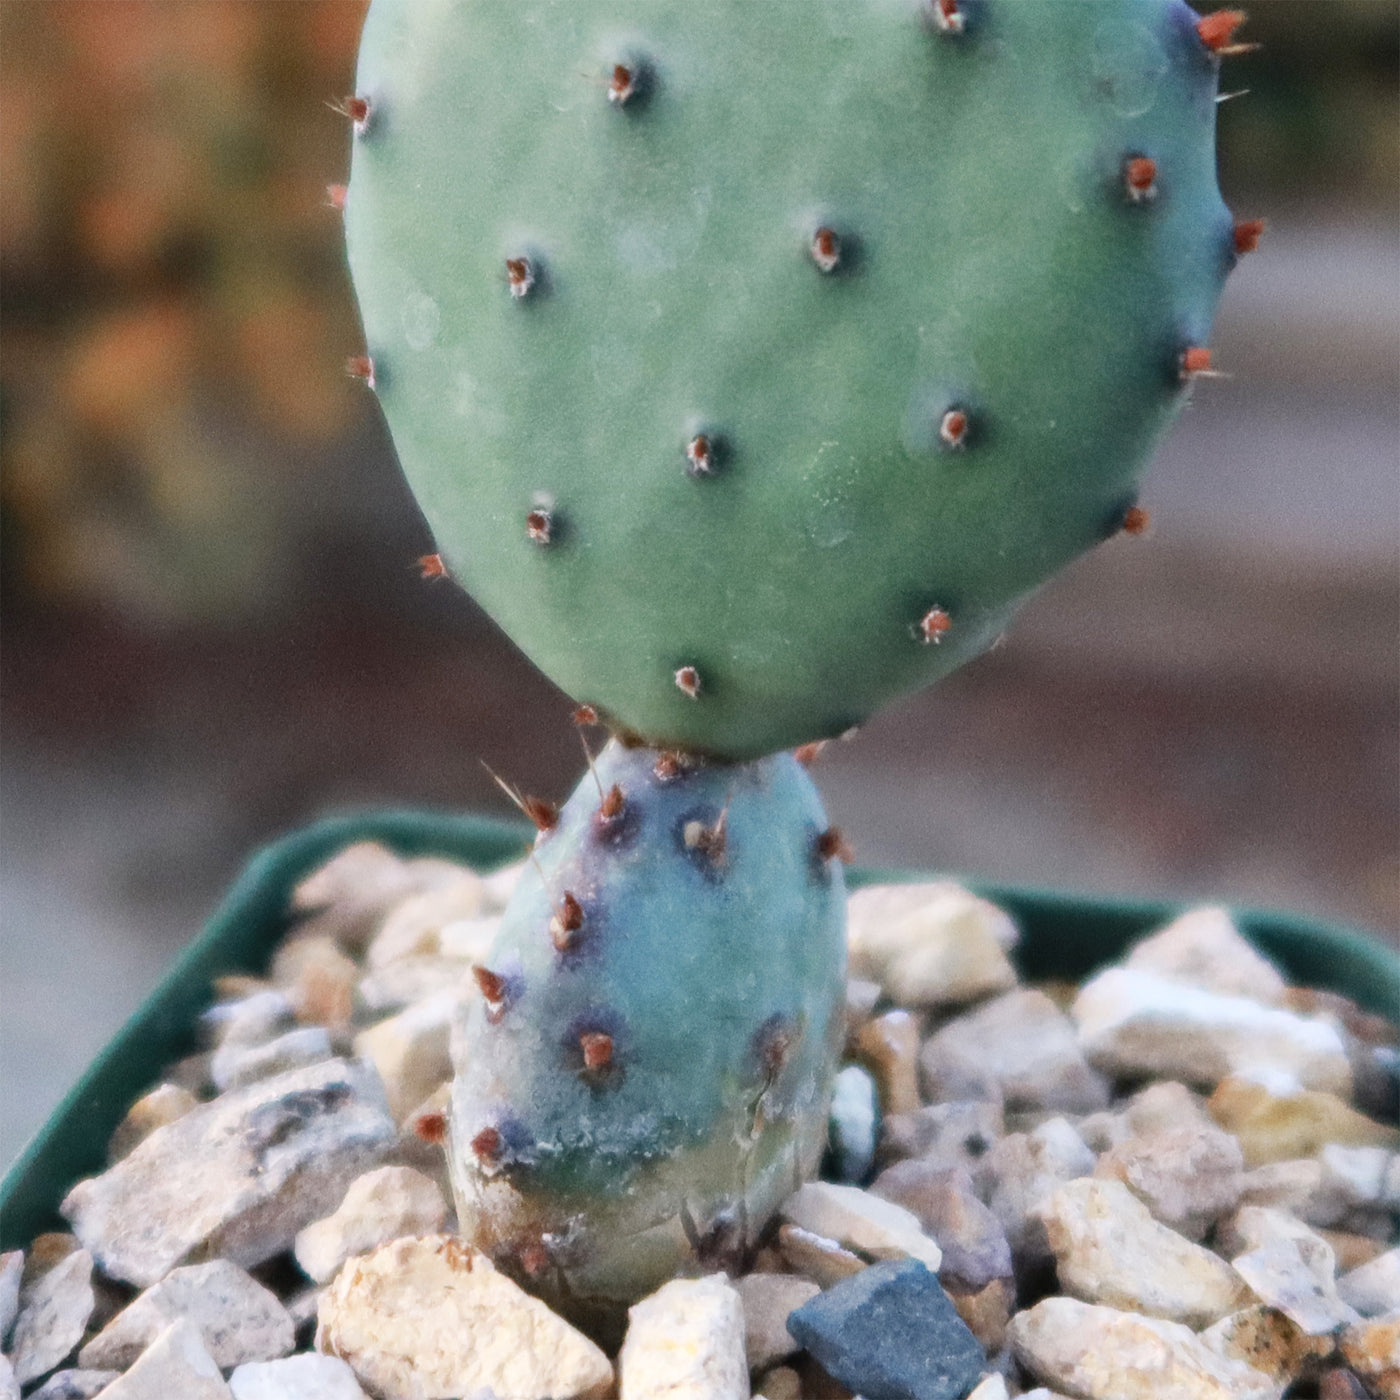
993, 262
715, 966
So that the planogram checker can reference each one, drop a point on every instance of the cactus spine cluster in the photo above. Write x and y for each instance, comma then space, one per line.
751, 363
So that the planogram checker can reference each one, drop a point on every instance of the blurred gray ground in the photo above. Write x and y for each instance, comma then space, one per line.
1210, 712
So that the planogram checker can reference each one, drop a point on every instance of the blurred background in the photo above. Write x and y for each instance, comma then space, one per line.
213, 629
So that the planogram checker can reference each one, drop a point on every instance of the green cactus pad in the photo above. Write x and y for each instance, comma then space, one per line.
646, 1071
805, 364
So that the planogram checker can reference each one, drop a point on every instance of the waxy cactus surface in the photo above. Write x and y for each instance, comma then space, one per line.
644, 1072
752, 362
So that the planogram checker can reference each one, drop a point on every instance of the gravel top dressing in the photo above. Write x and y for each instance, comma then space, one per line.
1177, 1177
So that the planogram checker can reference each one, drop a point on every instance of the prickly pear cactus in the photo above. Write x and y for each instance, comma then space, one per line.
646, 1070
752, 362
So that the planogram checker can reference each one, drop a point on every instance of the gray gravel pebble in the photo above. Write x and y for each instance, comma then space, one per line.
1374, 1288
175, 1364
53, 1315
238, 1177
943, 1200
891, 1333
238, 1319
957, 1134
11, 1269
309, 1376
1020, 1048
74, 1385
1025, 1168
235, 1065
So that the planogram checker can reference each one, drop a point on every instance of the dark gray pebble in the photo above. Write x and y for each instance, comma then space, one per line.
890, 1332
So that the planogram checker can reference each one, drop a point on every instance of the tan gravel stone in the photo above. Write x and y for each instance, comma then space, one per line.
413, 927
1264, 1338
816, 1257
933, 944
380, 1206
175, 1364
44, 1253
768, 1299
1109, 1250
431, 1319
410, 1051
1204, 948
1100, 1353
1269, 1341
358, 870
1185, 1176
1351, 1251
986, 1312
1135, 1023
1372, 1350
1285, 1185
1284, 1126
1020, 1048
408, 981
1108, 1127
318, 979
1164, 1107
861, 1222
685, 1342
888, 1046
164, 1104
349, 896
781, 1383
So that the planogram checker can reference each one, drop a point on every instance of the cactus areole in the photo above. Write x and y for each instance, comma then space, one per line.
726, 344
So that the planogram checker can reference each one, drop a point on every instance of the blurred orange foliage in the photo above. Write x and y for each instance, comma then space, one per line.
176, 311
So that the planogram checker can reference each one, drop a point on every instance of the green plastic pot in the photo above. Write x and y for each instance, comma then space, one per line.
1062, 936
